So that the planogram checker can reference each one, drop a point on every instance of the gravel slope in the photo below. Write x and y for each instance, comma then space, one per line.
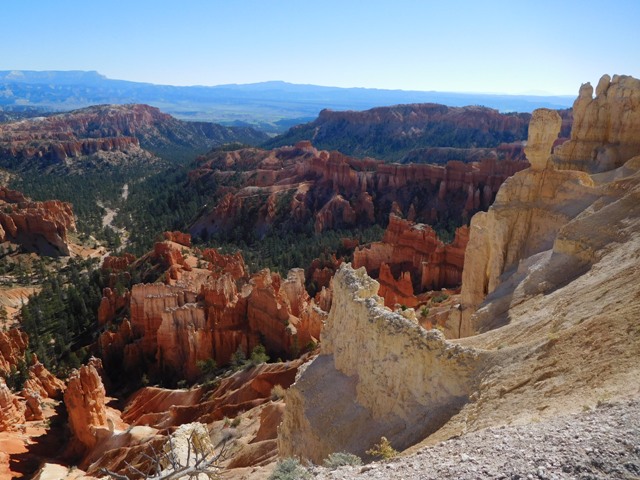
603, 443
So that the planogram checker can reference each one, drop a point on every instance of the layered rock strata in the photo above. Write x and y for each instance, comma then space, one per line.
208, 313
413, 132
387, 377
411, 259
534, 206
605, 127
109, 134
262, 188
37, 226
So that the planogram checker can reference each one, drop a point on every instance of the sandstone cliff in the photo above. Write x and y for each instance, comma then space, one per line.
605, 128
109, 134
378, 373
414, 132
550, 280
534, 208
205, 313
90, 420
38, 226
411, 259
290, 186
530, 209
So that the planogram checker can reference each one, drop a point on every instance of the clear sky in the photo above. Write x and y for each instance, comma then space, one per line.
510, 46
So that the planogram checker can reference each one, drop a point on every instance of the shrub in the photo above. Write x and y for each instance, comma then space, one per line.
440, 298
289, 469
383, 450
277, 392
238, 359
207, 367
340, 459
258, 355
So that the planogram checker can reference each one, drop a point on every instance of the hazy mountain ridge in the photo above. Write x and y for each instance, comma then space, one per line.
265, 104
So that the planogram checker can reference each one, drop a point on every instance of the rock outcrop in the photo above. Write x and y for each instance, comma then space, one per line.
290, 186
85, 399
37, 226
13, 345
387, 376
529, 211
605, 128
12, 410
534, 207
207, 313
411, 259
43, 382
153, 412
39, 384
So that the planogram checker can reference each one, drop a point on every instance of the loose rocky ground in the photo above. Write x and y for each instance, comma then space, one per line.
603, 443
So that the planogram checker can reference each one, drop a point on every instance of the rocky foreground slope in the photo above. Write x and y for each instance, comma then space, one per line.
600, 443
554, 277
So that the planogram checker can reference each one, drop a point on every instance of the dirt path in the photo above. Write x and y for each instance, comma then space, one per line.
110, 215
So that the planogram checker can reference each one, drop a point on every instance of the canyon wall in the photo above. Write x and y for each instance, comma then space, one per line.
290, 186
113, 134
205, 313
37, 226
533, 206
411, 259
414, 132
378, 373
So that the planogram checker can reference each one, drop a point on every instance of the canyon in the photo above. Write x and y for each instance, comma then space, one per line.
533, 308
530, 310
292, 186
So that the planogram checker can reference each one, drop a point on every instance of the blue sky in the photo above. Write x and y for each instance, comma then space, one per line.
514, 46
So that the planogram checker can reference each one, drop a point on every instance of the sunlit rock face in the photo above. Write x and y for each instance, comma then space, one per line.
378, 373
534, 209
411, 259
606, 127
208, 308
38, 226
301, 184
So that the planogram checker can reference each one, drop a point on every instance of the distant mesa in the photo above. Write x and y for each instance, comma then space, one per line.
419, 133
109, 135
